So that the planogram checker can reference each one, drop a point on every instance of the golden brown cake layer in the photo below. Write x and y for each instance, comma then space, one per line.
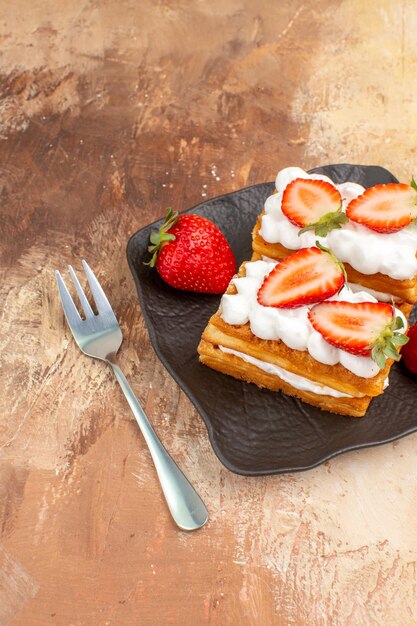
298, 362
406, 290
238, 368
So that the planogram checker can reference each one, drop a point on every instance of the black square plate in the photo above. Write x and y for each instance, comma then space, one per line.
256, 431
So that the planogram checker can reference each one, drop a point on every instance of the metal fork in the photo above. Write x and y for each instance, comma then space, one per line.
100, 337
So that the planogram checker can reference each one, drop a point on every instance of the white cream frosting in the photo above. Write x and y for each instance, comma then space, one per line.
369, 252
299, 382
292, 326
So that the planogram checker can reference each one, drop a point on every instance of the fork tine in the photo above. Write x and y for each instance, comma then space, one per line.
83, 299
100, 298
70, 310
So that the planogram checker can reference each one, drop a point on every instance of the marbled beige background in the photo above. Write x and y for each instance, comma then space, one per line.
110, 112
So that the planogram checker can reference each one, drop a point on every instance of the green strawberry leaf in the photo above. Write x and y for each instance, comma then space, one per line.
321, 231
170, 219
378, 357
159, 238
399, 340
167, 237
152, 261
386, 345
391, 351
398, 323
307, 228
326, 223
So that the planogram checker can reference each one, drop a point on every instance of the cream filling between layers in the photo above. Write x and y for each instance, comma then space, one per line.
381, 296
296, 381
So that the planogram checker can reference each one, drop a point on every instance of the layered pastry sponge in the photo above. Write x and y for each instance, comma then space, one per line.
235, 350
382, 262
404, 290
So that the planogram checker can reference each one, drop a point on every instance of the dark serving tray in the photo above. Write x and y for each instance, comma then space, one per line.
256, 431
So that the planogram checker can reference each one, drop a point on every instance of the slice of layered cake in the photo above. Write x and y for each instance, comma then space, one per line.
296, 327
373, 232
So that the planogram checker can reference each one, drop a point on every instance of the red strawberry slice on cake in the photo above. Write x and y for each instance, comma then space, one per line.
313, 205
363, 328
385, 208
305, 277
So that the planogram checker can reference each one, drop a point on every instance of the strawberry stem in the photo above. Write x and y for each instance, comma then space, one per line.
159, 238
325, 224
335, 259
386, 344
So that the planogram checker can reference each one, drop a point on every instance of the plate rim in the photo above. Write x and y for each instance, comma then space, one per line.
210, 430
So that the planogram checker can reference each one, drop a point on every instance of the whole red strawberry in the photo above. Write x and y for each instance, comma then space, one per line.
192, 254
409, 351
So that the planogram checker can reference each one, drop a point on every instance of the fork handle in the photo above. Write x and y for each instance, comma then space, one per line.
184, 503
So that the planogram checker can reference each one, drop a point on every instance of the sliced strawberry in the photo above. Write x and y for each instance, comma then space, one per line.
305, 277
385, 208
314, 205
363, 328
